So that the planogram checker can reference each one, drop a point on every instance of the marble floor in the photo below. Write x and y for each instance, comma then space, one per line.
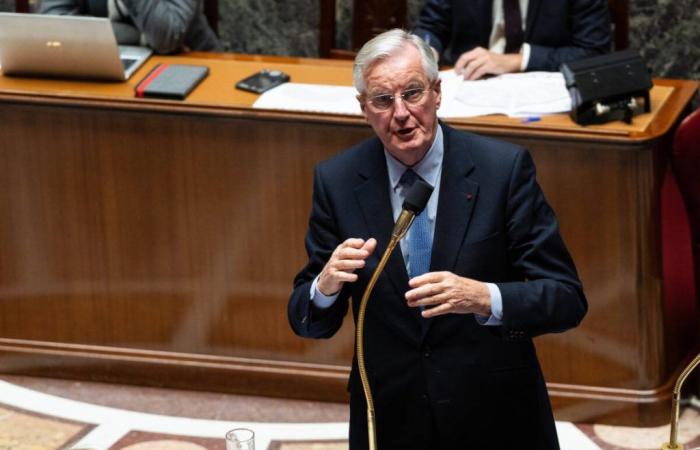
51, 414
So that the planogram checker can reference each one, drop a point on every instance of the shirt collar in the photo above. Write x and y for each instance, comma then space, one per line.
427, 168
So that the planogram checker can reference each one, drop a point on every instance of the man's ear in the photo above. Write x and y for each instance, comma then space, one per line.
435, 54
438, 92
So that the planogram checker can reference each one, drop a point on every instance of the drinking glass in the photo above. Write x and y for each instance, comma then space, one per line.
240, 439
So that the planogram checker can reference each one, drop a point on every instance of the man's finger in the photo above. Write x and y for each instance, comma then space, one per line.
352, 243
436, 297
369, 246
352, 253
473, 68
463, 61
426, 290
349, 264
480, 72
430, 277
442, 309
345, 277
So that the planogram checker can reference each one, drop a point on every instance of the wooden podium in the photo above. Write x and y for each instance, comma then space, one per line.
155, 241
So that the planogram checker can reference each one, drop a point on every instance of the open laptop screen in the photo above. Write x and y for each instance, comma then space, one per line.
64, 46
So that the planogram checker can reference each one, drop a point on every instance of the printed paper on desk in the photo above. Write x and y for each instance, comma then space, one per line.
516, 95
319, 98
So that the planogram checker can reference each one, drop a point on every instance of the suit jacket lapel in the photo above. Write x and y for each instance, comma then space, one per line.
458, 196
373, 198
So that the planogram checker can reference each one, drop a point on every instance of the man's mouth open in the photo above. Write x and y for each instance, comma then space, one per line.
405, 132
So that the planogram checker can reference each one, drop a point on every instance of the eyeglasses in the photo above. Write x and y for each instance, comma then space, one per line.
383, 102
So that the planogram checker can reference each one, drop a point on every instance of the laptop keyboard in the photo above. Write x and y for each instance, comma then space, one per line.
128, 62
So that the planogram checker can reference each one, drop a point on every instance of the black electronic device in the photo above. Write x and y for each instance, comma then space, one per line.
608, 87
262, 81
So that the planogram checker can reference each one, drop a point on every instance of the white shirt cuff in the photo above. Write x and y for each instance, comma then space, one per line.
496, 317
525, 51
319, 299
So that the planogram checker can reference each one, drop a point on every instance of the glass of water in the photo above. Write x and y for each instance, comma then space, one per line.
240, 439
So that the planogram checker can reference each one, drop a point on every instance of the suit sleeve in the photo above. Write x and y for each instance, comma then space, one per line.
60, 7
551, 298
434, 24
589, 34
164, 23
321, 239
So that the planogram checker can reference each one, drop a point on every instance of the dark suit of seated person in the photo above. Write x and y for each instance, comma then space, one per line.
167, 26
482, 37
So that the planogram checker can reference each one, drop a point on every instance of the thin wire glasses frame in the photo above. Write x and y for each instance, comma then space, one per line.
412, 96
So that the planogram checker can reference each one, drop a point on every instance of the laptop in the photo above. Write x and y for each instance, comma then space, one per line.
65, 47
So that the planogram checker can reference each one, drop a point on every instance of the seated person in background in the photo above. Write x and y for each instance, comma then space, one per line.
166, 26
502, 36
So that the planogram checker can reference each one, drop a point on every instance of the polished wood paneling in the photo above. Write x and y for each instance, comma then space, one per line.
155, 242
182, 231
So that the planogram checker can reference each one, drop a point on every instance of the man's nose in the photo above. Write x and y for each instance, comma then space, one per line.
401, 112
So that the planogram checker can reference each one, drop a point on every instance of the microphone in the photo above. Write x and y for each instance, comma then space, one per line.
414, 202
673, 444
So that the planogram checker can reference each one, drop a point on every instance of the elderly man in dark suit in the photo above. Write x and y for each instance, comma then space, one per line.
449, 326
483, 37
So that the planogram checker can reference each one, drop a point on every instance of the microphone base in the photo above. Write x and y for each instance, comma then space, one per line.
667, 446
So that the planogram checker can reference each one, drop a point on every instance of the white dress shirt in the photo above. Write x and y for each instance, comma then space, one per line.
497, 41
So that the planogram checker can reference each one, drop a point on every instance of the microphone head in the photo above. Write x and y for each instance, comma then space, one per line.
417, 197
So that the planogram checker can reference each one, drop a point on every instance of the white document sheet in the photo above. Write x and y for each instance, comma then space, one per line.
319, 98
513, 94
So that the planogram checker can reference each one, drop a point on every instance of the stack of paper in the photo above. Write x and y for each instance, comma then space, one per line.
319, 98
516, 95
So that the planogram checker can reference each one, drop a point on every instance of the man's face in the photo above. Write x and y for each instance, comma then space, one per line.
407, 125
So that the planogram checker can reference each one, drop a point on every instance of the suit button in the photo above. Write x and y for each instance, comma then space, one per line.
426, 352
424, 398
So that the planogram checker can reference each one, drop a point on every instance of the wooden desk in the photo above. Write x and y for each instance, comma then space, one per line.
155, 242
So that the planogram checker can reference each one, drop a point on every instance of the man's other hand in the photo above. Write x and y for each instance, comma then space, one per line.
446, 293
346, 258
479, 62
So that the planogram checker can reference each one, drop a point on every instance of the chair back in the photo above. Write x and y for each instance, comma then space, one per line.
680, 223
369, 18
685, 160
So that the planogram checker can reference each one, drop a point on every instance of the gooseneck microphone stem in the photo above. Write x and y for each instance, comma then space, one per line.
675, 406
416, 199
402, 225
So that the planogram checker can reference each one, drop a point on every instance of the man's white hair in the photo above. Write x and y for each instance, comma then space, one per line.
388, 44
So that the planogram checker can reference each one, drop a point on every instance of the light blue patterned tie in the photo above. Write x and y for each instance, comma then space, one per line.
420, 239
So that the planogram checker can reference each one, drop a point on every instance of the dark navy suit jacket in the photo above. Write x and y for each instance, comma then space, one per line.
557, 30
447, 383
